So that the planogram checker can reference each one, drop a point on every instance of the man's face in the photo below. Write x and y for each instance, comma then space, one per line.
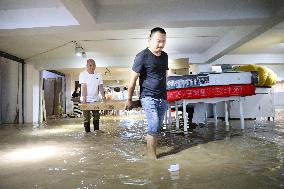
91, 66
157, 42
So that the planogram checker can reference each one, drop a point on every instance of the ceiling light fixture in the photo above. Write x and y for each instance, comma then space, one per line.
79, 51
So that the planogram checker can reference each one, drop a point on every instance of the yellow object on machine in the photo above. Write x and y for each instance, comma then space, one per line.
266, 76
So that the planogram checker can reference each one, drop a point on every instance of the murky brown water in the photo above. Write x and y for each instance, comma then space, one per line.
59, 155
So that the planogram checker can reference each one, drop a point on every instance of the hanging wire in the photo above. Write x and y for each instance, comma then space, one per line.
49, 50
111, 39
87, 40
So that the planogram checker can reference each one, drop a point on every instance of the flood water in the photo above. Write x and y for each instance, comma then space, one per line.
57, 154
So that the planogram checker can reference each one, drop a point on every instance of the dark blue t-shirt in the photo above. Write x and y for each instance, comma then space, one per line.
152, 71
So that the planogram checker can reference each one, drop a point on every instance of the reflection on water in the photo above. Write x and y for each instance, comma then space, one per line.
58, 154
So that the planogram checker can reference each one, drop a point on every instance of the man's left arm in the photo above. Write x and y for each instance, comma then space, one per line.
167, 75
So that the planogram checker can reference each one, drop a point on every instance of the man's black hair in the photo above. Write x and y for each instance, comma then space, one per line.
157, 29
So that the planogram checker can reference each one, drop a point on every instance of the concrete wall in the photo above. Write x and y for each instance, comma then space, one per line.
11, 91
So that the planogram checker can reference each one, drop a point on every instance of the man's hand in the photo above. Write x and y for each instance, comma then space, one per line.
131, 87
128, 105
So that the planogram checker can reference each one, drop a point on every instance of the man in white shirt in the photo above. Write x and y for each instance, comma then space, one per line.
91, 84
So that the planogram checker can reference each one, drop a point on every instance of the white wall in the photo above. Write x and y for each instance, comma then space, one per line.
69, 90
47, 74
278, 69
203, 68
11, 91
28, 93
278, 95
32, 79
0, 92
70, 87
279, 99
36, 95
193, 68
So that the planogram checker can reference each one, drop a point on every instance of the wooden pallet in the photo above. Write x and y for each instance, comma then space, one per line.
108, 105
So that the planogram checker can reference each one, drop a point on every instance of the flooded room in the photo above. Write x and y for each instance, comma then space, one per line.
154, 94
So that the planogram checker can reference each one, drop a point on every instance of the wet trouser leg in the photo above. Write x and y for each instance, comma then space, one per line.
87, 117
96, 119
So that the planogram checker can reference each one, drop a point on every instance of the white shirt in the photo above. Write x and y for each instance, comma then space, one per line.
93, 81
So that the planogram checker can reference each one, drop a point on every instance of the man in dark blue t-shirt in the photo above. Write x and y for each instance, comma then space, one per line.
150, 66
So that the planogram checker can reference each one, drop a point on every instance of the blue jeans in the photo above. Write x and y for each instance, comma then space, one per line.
155, 110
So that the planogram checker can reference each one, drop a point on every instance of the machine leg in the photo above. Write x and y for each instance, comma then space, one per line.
242, 114
215, 113
226, 113
169, 117
177, 119
184, 113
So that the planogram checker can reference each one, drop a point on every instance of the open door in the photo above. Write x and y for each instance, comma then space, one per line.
49, 84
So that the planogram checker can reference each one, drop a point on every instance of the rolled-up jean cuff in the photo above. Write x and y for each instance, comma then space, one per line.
153, 134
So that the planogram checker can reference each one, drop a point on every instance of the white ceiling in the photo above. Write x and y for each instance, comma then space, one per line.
112, 32
28, 14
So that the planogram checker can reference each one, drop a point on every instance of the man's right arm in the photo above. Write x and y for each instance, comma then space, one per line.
131, 87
